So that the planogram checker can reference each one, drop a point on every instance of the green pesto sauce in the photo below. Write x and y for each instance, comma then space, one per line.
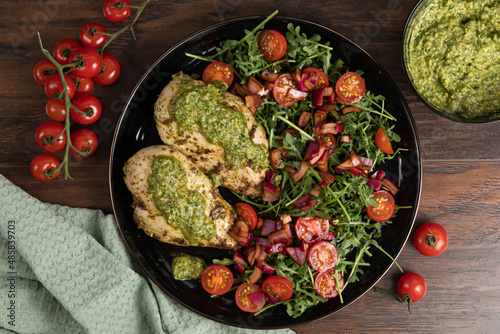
219, 124
186, 266
454, 55
183, 208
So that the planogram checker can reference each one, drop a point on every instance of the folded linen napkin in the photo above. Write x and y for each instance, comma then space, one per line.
67, 270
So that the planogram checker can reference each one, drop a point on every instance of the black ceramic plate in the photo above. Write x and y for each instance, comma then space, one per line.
136, 130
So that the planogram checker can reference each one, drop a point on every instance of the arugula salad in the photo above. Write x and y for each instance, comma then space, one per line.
324, 200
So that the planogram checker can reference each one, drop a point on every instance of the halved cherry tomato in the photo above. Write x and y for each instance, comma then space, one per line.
89, 35
244, 303
273, 45
64, 49
411, 287
83, 86
326, 283
385, 207
350, 88
217, 279
90, 106
311, 229
247, 213
315, 78
56, 110
280, 288
322, 256
84, 140
43, 167
50, 136
43, 70
281, 87
110, 70
218, 71
54, 87
382, 142
114, 11
430, 239
91, 65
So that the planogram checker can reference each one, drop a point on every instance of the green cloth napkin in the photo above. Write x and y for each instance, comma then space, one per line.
67, 270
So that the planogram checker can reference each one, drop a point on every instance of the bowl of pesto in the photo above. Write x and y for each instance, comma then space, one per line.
451, 56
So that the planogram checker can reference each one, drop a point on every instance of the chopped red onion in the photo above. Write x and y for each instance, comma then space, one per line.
377, 184
312, 150
268, 227
266, 268
255, 298
270, 175
317, 96
262, 241
276, 248
330, 236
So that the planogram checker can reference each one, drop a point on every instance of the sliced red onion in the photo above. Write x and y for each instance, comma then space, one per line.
297, 255
377, 184
270, 175
389, 186
249, 240
355, 172
240, 263
279, 236
262, 241
378, 175
270, 298
303, 246
339, 128
271, 187
302, 81
366, 161
309, 205
279, 225
303, 201
255, 298
286, 218
312, 150
268, 227
324, 184
276, 248
330, 236
266, 268
317, 96
297, 94
249, 251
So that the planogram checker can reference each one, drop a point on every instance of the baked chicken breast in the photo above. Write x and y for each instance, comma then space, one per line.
175, 202
216, 131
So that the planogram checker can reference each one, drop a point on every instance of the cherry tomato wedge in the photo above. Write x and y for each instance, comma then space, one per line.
43, 167
64, 49
54, 87
90, 106
326, 283
247, 213
413, 286
90, 36
218, 71
272, 45
311, 229
115, 11
315, 78
385, 207
43, 70
91, 62
430, 239
382, 142
322, 256
110, 70
281, 88
244, 302
217, 279
278, 287
56, 110
50, 136
84, 140
350, 88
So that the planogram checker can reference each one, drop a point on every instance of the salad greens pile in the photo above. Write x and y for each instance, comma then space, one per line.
342, 202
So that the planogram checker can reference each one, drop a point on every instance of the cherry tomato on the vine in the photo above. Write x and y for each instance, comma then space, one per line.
244, 302
217, 279
350, 88
54, 87
84, 141
326, 283
91, 62
90, 36
43, 167
90, 106
247, 213
64, 49
278, 287
43, 70
83, 86
115, 11
411, 287
218, 71
56, 110
50, 136
385, 207
382, 142
322, 256
272, 45
430, 239
110, 70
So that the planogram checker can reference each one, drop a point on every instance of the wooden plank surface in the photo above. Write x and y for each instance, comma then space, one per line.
461, 185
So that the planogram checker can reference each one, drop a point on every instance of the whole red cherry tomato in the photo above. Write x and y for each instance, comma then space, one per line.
64, 49
91, 62
90, 106
56, 110
411, 288
44, 167
430, 239
50, 136
83, 86
43, 70
110, 70
84, 140
115, 11
54, 87
90, 36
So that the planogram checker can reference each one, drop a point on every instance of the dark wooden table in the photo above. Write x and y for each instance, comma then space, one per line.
461, 183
